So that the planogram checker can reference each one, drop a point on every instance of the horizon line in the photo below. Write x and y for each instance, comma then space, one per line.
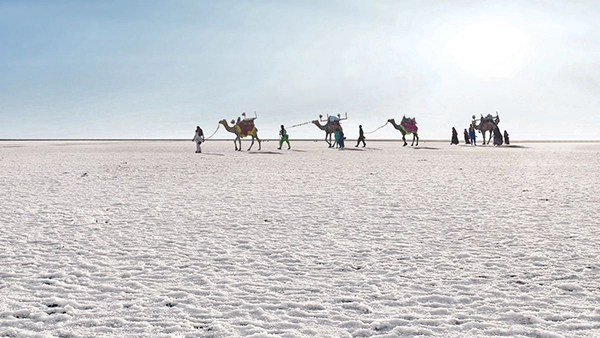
263, 140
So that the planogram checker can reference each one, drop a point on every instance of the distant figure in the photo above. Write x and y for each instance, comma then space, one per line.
467, 140
198, 138
283, 138
341, 140
506, 140
497, 136
361, 137
472, 135
454, 136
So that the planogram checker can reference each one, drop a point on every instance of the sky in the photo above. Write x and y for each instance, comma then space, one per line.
156, 69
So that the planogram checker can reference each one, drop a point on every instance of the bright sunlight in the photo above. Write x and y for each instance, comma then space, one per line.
490, 49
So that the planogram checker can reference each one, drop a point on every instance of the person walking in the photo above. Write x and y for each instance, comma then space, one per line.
466, 135
341, 140
283, 137
472, 135
198, 138
454, 136
361, 137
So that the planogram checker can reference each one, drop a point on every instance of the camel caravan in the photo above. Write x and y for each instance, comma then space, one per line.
245, 126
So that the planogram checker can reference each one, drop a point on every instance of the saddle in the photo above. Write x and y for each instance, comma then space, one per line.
409, 125
246, 127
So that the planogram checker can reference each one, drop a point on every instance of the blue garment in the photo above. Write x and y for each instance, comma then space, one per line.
472, 135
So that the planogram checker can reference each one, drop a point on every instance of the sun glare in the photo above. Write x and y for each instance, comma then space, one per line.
490, 49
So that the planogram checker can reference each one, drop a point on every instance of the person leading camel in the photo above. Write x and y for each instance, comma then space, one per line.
198, 138
361, 137
283, 138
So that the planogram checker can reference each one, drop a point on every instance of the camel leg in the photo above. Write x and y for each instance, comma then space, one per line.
258, 141
328, 141
251, 144
404, 139
413, 142
235, 144
417, 136
240, 142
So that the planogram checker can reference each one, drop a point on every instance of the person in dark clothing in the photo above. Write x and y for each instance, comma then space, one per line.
472, 135
361, 137
506, 140
497, 136
467, 140
341, 140
454, 136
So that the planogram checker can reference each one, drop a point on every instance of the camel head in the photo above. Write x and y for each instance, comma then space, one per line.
223, 122
391, 120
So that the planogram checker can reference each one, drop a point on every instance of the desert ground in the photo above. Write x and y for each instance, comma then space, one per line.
149, 239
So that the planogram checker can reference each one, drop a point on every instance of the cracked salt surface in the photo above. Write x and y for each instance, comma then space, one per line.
139, 239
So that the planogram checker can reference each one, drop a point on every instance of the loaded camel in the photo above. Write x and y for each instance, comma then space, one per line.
242, 129
332, 125
407, 126
488, 123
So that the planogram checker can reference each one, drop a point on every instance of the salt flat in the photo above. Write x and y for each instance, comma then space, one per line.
149, 239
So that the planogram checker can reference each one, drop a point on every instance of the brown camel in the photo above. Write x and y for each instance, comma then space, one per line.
330, 127
486, 124
242, 129
412, 129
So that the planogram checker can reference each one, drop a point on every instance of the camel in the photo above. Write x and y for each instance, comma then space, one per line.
407, 128
330, 127
486, 124
242, 129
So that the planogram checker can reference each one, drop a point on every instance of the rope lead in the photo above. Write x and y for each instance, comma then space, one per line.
213, 134
371, 132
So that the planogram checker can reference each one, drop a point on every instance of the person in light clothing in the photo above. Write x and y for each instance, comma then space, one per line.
198, 138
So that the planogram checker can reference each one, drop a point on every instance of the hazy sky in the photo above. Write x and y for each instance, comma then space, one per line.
156, 69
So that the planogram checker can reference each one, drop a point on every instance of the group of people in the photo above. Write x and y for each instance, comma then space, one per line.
471, 137
284, 138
